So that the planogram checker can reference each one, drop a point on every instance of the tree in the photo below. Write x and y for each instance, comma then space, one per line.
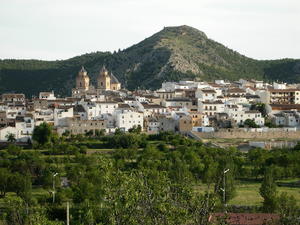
99, 133
66, 133
15, 212
257, 158
118, 131
4, 184
250, 123
89, 133
269, 123
226, 171
287, 208
135, 129
268, 191
261, 107
14, 150
21, 185
10, 137
42, 133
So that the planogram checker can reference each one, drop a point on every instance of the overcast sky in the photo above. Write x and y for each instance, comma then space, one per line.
60, 29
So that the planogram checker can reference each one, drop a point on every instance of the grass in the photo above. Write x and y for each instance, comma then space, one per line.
102, 151
247, 193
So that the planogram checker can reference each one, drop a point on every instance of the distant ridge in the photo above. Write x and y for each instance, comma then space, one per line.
173, 53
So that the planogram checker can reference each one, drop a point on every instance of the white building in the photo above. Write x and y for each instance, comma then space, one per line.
47, 95
153, 125
207, 94
279, 85
4, 131
126, 119
240, 117
15, 109
151, 109
287, 118
178, 102
25, 126
210, 108
61, 114
107, 107
43, 115
22, 130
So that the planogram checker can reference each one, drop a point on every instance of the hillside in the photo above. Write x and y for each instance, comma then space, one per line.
171, 54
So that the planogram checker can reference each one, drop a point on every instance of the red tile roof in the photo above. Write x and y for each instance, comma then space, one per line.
245, 218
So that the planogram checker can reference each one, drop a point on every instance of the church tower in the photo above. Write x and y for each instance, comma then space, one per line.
103, 80
82, 79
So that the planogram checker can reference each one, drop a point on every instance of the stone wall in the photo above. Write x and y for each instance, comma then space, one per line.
229, 134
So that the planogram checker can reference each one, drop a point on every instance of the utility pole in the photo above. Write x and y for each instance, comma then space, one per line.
224, 187
53, 186
68, 213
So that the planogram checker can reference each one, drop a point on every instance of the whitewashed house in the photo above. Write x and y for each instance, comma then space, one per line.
127, 118
61, 114
43, 115
210, 108
47, 95
240, 117
206, 94
287, 118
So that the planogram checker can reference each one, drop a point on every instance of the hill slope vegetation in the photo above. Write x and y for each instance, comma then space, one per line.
169, 55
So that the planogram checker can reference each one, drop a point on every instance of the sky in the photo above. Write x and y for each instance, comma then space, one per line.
61, 29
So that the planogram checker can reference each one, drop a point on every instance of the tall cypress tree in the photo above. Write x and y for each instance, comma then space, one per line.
268, 191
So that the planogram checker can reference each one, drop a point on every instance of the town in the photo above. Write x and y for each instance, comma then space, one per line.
196, 108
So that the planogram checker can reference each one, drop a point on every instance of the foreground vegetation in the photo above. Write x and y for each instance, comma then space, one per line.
141, 179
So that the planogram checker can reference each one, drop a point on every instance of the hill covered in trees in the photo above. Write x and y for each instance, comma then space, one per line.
169, 55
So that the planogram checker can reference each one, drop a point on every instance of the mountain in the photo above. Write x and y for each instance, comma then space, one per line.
173, 53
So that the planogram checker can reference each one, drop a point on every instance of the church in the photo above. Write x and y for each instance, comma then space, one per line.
106, 81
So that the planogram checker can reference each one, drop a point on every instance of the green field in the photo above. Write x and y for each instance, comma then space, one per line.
247, 193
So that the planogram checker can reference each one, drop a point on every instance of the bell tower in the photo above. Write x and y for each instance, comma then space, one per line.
82, 79
103, 80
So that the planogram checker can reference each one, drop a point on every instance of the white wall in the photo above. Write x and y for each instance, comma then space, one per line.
126, 119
